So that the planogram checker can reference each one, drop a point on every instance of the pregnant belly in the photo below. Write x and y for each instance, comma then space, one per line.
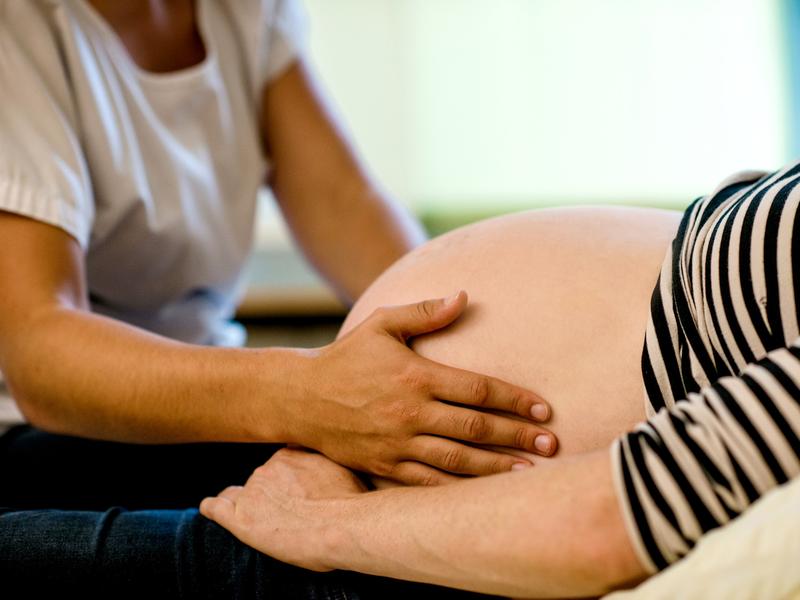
559, 302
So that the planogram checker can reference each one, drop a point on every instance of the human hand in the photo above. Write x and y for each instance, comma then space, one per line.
281, 511
377, 406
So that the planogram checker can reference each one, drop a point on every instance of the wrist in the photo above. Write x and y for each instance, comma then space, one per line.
306, 411
338, 547
274, 390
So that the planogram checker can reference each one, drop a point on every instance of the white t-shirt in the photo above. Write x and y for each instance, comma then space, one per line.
154, 174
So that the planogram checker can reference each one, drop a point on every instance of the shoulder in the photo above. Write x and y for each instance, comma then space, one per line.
759, 178
28, 17
270, 11
31, 49
42, 170
30, 28
260, 20
272, 34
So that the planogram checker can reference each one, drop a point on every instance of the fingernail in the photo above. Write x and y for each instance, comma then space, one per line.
542, 443
539, 412
519, 466
450, 300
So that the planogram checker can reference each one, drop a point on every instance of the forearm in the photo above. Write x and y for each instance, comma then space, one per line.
552, 531
78, 373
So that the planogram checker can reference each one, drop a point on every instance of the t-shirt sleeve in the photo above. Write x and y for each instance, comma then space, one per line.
43, 173
274, 33
287, 40
699, 464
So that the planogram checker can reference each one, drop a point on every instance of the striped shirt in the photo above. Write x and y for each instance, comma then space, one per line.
721, 369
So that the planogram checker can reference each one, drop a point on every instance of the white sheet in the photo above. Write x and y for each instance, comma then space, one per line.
755, 557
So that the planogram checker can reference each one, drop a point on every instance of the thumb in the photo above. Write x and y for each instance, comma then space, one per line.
409, 320
218, 509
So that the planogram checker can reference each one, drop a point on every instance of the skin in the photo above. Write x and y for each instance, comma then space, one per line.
79, 373
559, 302
550, 532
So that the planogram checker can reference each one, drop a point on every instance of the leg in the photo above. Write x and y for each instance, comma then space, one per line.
44, 470
163, 554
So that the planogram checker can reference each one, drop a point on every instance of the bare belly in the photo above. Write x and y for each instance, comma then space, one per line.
559, 302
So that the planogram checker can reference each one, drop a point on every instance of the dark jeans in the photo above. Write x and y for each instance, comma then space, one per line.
112, 520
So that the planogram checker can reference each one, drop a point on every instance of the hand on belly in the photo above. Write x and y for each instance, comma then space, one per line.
559, 302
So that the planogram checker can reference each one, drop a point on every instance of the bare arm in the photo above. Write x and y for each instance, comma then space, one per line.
556, 530
349, 227
75, 372
553, 531
366, 399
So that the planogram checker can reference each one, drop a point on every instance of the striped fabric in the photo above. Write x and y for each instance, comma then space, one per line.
721, 368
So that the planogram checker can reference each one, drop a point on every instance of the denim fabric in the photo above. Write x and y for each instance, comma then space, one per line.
87, 518
44, 470
147, 554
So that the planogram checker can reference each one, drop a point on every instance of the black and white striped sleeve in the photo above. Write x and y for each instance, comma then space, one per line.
697, 465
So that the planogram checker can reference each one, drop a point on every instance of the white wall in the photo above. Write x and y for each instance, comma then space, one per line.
482, 104
468, 102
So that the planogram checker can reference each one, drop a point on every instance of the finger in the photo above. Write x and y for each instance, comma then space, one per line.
382, 483
414, 473
408, 320
231, 493
453, 457
219, 510
523, 454
484, 428
466, 387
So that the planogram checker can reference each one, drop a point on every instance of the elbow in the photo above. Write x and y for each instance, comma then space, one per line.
617, 568
29, 402
583, 548
30, 375
594, 556
34, 415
